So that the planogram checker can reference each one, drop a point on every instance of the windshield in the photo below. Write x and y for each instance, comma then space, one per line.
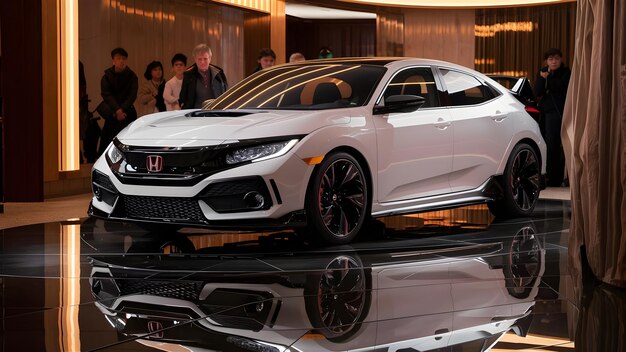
303, 87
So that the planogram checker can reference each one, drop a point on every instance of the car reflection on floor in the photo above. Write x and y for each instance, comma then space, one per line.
426, 283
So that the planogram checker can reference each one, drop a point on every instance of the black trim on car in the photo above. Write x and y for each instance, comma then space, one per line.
181, 166
295, 219
276, 193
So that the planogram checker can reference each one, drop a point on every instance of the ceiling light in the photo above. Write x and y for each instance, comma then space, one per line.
456, 3
325, 13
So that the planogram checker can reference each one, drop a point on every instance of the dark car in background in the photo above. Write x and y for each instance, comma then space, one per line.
522, 90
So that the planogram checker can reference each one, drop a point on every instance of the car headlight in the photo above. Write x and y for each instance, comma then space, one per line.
260, 152
114, 154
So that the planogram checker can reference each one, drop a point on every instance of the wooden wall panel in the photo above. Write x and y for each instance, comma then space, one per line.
278, 31
50, 90
389, 34
256, 36
440, 34
344, 37
22, 73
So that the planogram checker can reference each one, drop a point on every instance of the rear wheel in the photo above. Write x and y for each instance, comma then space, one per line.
524, 263
337, 200
521, 185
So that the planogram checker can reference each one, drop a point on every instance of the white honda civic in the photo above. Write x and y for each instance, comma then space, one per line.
322, 147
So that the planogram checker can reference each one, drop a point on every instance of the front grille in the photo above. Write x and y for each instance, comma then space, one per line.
187, 290
172, 208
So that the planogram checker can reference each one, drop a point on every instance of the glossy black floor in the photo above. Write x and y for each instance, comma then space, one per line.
451, 280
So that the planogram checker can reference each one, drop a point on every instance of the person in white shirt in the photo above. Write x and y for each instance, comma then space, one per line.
173, 86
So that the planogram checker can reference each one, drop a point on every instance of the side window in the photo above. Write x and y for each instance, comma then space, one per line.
414, 81
464, 89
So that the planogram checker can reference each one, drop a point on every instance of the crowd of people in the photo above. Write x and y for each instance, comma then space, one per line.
124, 98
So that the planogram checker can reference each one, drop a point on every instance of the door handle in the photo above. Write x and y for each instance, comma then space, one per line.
439, 332
499, 117
442, 124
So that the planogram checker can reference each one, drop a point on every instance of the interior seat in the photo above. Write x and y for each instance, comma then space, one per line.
325, 93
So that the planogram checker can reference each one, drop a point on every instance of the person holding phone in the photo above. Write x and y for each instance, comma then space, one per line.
551, 90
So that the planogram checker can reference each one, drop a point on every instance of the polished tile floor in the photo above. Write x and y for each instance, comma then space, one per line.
453, 280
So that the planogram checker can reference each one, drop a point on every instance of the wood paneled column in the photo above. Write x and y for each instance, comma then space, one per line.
22, 99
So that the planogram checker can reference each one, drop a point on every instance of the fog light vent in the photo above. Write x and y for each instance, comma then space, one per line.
254, 200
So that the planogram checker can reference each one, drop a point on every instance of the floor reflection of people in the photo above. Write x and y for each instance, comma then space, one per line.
601, 324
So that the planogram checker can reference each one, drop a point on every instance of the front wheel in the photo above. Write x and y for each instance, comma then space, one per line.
337, 300
521, 185
337, 202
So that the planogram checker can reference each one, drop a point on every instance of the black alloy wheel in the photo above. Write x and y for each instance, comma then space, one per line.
337, 201
524, 263
338, 299
522, 183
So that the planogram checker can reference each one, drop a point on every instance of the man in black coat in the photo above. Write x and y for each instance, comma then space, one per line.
551, 88
202, 81
118, 88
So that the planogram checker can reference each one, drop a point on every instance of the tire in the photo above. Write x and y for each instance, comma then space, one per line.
337, 200
524, 263
337, 300
521, 184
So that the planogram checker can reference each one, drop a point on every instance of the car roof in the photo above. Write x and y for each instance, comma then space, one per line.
391, 62
377, 61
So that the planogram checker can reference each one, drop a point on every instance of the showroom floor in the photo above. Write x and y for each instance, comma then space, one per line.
453, 280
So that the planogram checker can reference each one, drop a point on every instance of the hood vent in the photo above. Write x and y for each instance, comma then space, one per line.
220, 113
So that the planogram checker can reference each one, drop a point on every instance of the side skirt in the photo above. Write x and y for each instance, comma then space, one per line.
489, 191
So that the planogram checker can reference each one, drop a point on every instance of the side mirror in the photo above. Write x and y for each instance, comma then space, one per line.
400, 103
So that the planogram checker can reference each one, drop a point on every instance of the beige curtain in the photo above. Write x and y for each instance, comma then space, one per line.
512, 40
594, 138
601, 322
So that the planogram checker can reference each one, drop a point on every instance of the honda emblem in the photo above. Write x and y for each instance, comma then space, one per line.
154, 163
156, 329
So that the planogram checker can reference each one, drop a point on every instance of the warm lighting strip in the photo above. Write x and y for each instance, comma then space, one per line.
303, 83
509, 73
243, 96
484, 62
492, 29
69, 143
235, 89
535, 342
70, 288
457, 3
258, 5
131, 10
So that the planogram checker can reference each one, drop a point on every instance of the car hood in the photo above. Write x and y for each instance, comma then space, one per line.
186, 128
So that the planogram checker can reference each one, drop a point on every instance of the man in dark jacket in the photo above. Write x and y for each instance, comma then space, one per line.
551, 88
202, 81
118, 88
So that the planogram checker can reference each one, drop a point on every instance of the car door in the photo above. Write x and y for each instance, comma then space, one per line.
414, 302
483, 125
414, 148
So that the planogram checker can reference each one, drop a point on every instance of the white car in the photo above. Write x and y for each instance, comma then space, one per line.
324, 145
